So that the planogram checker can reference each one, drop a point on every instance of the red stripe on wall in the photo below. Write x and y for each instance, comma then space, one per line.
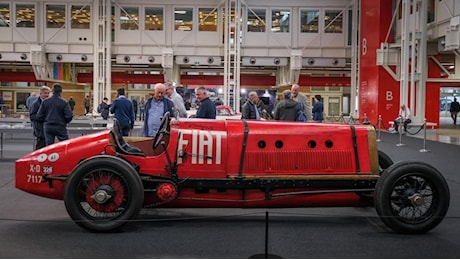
246, 80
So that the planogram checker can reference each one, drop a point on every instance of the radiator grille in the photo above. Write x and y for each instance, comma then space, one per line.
299, 161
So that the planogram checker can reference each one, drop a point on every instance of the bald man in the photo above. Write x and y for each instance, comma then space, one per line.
302, 99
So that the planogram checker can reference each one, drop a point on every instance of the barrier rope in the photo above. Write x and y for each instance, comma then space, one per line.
418, 131
342, 119
352, 120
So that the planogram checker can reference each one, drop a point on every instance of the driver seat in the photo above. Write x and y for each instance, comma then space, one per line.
121, 145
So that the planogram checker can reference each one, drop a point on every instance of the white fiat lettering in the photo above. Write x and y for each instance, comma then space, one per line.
202, 143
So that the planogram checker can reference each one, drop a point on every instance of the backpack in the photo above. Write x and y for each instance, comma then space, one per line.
300, 116
99, 108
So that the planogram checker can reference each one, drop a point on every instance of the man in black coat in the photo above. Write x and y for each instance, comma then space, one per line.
286, 109
250, 110
454, 109
39, 133
55, 113
207, 108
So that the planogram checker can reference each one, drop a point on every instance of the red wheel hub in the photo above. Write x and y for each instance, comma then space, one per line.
166, 191
105, 193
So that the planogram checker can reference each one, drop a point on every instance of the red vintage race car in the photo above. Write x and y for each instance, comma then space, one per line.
105, 179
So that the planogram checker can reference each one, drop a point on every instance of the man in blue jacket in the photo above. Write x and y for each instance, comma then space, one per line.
155, 108
55, 113
207, 108
123, 111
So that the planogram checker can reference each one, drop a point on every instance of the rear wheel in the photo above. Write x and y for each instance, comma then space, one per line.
411, 197
103, 193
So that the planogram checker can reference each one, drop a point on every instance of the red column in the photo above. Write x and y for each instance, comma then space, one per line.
433, 90
378, 91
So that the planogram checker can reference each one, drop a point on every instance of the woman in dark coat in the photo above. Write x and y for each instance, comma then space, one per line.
318, 109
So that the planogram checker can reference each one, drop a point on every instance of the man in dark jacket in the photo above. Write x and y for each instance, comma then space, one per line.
454, 109
123, 111
71, 103
55, 112
86, 104
39, 133
207, 108
250, 110
286, 109
135, 108
155, 108
104, 108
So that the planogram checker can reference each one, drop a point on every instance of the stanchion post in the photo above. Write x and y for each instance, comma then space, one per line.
1, 144
424, 150
400, 131
379, 128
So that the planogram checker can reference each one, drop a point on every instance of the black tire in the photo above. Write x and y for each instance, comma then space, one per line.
384, 162
119, 189
411, 197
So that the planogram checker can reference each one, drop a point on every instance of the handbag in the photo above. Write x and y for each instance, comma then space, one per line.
300, 116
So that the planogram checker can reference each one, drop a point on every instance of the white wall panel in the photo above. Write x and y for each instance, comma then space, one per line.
442, 10
259, 39
128, 37
56, 48
7, 47
25, 35
80, 36
53, 35
209, 51
309, 40
154, 38
186, 38
207, 38
6, 34
129, 49
333, 40
77, 48
22, 47
279, 39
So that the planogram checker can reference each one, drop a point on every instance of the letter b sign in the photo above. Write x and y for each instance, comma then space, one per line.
389, 95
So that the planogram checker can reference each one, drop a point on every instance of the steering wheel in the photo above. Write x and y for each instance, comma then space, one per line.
163, 130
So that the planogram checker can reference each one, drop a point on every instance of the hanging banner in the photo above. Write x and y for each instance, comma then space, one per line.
61, 71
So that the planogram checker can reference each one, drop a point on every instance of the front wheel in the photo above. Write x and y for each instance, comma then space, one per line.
411, 197
103, 193
384, 161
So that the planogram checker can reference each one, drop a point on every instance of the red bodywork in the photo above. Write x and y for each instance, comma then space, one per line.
260, 159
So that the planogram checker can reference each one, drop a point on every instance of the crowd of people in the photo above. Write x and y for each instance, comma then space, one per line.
50, 114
